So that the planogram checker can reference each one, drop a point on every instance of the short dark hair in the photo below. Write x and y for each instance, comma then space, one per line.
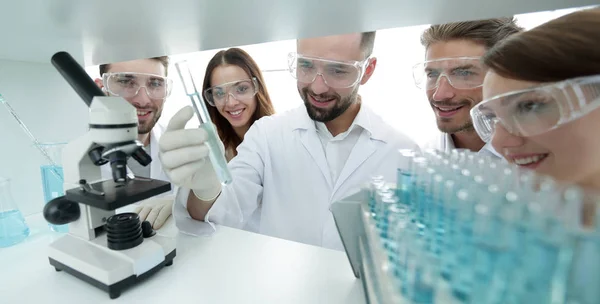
487, 32
367, 42
162, 59
560, 49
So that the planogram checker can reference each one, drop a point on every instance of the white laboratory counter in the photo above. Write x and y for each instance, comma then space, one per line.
231, 266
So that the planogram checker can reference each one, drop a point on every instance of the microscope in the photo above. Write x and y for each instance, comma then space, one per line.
108, 250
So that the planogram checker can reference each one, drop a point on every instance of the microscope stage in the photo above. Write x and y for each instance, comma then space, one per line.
117, 195
111, 270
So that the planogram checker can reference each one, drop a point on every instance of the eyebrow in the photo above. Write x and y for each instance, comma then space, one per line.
220, 86
126, 75
464, 67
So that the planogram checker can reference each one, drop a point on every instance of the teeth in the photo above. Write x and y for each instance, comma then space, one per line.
140, 113
529, 160
448, 109
236, 112
323, 100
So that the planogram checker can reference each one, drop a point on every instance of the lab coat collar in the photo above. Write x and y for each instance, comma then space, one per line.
365, 118
448, 145
375, 132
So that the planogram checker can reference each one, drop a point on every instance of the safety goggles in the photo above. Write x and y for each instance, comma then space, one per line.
539, 109
241, 90
128, 84
335, 74
460, 72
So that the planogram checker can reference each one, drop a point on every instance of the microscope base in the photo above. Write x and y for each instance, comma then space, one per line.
110, 270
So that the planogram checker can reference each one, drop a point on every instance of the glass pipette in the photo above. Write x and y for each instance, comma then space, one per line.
33, 139
217, 156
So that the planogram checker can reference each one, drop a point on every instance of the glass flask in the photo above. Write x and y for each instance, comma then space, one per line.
13, 228
52, 177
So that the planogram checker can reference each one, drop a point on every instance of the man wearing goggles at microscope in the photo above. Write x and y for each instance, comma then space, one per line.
144, 84
452, 77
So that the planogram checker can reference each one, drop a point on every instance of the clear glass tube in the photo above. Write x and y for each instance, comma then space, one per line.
217, 156
33, 139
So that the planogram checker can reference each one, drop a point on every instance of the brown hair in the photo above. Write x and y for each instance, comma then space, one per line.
240, 58
162, 59
559, 49
487, 32
367, 43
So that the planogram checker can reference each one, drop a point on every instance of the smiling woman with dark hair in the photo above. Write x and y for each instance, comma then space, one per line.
235, 92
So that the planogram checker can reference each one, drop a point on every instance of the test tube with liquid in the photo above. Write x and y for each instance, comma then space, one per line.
404, 179
584, 266
217, 156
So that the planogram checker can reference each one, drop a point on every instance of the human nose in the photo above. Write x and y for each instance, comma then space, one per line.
318, 86
443, 90
502, 138
141, 99
230, 100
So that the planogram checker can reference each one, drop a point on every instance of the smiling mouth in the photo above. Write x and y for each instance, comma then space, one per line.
321, 102
143, 114
530, 161
236, 113
446, 111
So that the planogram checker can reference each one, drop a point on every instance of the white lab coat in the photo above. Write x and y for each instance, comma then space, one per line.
443, 142
156, 170
282, 185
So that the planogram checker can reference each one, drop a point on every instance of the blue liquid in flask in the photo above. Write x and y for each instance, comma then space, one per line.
53, 188
13, 228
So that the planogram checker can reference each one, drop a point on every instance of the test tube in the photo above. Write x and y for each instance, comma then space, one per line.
217, 156
405, 175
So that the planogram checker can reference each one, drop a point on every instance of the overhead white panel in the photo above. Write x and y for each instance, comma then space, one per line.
97, 32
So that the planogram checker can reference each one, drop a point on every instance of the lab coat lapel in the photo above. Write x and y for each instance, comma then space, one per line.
311, 142
155, 167
363, 149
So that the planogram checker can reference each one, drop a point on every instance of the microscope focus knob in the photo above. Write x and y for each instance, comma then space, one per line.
147, 230
61, 211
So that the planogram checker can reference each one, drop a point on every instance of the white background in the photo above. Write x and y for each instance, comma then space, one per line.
53, 112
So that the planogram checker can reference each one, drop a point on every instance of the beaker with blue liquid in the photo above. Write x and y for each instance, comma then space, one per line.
13, 228
52, 177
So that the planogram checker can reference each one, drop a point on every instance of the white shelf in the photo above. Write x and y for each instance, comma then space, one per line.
97, 32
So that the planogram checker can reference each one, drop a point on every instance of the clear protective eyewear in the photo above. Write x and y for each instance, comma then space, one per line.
460, 72
335, 74
241, 90
128, 84
539, 109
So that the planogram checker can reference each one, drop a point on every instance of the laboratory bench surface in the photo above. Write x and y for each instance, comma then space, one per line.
230, 266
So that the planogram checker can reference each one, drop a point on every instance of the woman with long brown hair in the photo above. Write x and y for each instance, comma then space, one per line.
236, 95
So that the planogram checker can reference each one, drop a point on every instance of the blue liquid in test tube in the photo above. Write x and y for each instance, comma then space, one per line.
217, 156
53, 177
53, 188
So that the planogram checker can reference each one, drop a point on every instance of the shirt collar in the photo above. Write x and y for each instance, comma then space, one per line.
366, 119
487, 148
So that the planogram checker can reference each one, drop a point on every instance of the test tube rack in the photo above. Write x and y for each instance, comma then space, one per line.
514, 209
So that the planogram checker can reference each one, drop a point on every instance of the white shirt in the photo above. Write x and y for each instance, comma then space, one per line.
337, 149
283, 185
444, 142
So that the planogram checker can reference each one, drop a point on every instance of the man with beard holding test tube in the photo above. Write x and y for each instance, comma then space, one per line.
292, 166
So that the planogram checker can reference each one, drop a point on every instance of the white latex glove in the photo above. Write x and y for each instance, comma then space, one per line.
155, 210
184, 157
